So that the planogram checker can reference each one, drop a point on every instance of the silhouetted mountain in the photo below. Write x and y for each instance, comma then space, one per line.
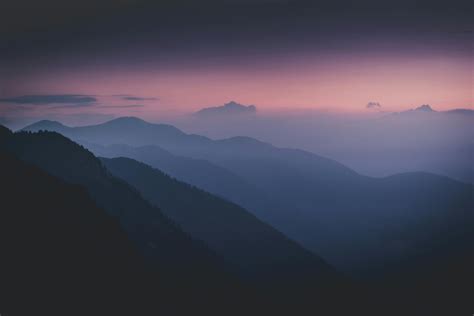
360, 224
378, 145
460, 112
193, 272
424, 108
427, 109
414, 229
61, 253
250, 245
51, 125
229, 109
195, 277
116, 132
67, 160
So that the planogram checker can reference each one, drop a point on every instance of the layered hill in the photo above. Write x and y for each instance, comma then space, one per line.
172, 262
242, 239
236, 244
360, 224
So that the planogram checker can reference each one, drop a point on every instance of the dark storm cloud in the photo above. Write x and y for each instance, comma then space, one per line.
47, 99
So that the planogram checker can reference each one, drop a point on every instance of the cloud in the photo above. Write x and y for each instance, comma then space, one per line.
133, 98
71, 105
46, 99
62, 101
373, 105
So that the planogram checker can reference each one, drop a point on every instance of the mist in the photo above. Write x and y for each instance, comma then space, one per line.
375, 143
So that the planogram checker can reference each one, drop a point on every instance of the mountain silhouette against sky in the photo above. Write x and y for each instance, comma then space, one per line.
376, 144
426, 108
116, 132
231, 109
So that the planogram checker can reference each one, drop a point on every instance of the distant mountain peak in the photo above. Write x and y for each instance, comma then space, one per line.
49, 123
422, 109
425, 108
127, 120
230, 108
45, 125
233, 104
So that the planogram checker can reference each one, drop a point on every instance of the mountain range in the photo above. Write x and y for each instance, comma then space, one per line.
394, 236
173, 265
426, 108
328, 208
376, 144
197, 246
198, 172
244, 241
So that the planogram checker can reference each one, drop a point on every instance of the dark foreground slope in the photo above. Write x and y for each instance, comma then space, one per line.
60, 253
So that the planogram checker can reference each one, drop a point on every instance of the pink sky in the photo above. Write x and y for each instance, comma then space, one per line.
339, 84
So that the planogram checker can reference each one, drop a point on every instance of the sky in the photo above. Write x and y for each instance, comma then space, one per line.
155, 59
